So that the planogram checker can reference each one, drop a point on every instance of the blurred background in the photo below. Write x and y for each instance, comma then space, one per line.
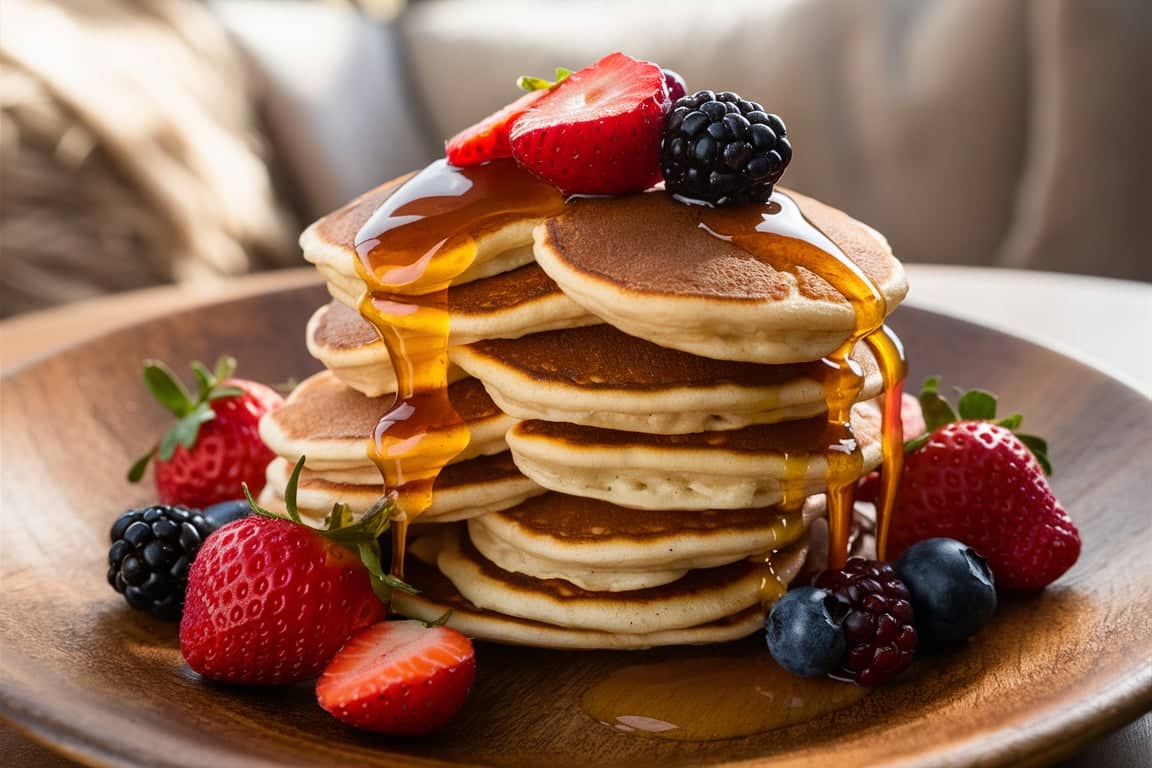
145, 142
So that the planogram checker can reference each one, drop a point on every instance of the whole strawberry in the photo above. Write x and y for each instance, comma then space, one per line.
597, 132
973, 479
215, 444
270, 600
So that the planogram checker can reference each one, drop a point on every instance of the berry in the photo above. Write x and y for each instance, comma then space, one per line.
677, 88
952, 591
722, 149
488, 139
270, 600
598, 132
977, 481
877, 621
399, 677
804, 634
215, 444
150, 553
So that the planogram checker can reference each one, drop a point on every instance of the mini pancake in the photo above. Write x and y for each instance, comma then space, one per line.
618, 381
330, 423
701, 597
602, 547
504, 306
330, 244
463, 490
648, 265
749, 467
438, 596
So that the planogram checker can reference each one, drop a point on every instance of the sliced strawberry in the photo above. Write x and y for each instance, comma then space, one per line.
399, 677
598, 132
488, 139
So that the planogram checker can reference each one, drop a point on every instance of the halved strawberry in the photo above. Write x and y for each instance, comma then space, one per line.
488, 139
598, 132
399, 677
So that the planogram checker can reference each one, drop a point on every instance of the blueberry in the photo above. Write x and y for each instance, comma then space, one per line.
952, 589
219, 515
803, 636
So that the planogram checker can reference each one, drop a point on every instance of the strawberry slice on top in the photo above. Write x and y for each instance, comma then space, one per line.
399, 677
597, 132
488, 139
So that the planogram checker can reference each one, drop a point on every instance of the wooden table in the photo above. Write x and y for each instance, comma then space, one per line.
1095, 320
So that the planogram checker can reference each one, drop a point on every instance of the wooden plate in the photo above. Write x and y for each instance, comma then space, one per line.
81, 671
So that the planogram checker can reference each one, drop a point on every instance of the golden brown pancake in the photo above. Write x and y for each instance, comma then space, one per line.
750, 467
658, 269
462, 490
598, 376
331, 423
600, 546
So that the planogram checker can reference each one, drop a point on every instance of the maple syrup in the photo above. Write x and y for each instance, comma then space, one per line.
712, 697
421, 238
781, 236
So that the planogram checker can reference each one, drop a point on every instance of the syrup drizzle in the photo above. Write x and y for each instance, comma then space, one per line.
781, 236
416, 243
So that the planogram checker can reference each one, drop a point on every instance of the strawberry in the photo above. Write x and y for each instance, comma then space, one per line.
488, 139
270, 600
399, 677
215, 444
598, 132
977, 481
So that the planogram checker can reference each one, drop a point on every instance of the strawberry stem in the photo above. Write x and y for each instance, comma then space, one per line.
341, 527
973, 405
190, 412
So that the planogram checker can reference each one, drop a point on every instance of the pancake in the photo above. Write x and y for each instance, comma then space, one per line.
600, 546
463, 490
438, 596
351, 349
618, 381
749, 467
504, 306
648, 265
330, 245
330, 423
701, 597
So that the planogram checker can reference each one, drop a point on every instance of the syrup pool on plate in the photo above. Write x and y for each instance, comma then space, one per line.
711, 697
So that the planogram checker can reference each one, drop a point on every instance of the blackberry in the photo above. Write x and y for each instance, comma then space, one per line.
877, 621
152, 548
722, 149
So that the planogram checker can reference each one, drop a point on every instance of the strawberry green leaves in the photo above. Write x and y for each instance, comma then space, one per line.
340, 526
972, 405
190, 412
528, 83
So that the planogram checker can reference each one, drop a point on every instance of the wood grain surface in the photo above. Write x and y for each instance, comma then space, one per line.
106, 685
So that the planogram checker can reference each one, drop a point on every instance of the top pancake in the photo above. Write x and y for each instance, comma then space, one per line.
661, 270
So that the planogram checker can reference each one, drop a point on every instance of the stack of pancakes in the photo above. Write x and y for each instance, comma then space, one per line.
641, 397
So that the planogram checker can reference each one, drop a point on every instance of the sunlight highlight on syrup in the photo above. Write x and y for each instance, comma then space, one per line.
779, 235
418, 241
